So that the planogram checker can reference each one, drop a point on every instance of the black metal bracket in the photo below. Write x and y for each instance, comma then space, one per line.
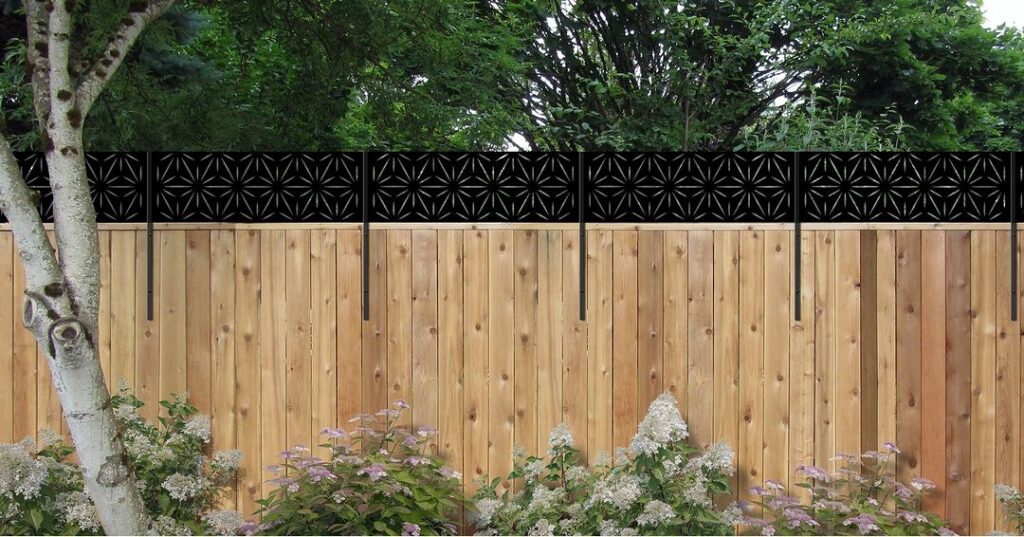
797, 246
364, 171
150, 194
582, 202
1014, 177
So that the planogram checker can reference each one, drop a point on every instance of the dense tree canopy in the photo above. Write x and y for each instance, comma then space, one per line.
549, 74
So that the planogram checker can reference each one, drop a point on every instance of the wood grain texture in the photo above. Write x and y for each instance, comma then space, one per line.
777, 318
1007, 382
958, 380
983, 379
908, 353
475, 334
248, 418
700, 337
198, 320
526, 311
624, 380
750, 438
933, 365
222, 317
575, 368
501, 352
600, 325
424, 331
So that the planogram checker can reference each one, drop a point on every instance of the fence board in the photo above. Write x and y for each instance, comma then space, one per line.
801, 367
1007, 394
624, 380
650, 317
323, 250
450, 409
777, 317
424, 328
549, 334
958, 385
248, 367
526, 339
750, 439
848, 342
172, 314
700, 336
147, 332
198, 320
933, 365
726, 330
349, 325
399, 377
500, 352
8, 260
575, 369
222, 316
983, 356
475, 333
600, 326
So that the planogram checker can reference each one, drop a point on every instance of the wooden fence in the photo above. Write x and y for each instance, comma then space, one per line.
906, 336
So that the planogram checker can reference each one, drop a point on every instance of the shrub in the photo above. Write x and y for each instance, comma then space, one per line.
863, 497
380, 479
1013, 504
42, 493
660, 486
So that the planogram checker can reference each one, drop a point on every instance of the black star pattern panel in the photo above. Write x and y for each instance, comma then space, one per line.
117, 182
689, 187
257, 187
905, 187
473, 187
544, 187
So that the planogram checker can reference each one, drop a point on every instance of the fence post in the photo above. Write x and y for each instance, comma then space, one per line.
148, 173
1013, 235
582, 206
366, 235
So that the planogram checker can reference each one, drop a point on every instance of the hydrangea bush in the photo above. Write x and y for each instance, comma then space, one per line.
1013, 505
380, 480
41, 492
863, 497
661, 485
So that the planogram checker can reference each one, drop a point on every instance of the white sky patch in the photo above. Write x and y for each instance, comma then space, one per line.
1009, 12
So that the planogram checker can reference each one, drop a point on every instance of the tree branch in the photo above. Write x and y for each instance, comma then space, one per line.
38, 56
18, 203
140, 14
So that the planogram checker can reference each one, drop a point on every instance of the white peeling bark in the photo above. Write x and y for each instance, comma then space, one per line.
61, 306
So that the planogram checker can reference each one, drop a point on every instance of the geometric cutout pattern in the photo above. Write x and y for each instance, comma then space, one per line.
473, 187
689, 187
543, 187
257, 187
905, 187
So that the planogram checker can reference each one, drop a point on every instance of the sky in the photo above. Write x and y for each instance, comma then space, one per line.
997, 12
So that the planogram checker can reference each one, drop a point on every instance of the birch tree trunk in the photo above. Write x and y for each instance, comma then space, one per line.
61, 303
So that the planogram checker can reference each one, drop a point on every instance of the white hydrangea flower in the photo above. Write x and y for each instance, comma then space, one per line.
165, 525
1006, 493
733, 514
622, 491
485, 510
576, 473
544, 499
21, 474
608, 527
198, 426
662, 426
627, 532
224, 522
77, 508
542, 527
182, 487
534, 469
127, 413
227, 460
655, 513
718, 457
696, 491
560, 437
48, 437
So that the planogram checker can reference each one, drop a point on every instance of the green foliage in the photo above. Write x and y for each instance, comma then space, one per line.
662, 486
1012, 502
863, 497
42, 492
379, 480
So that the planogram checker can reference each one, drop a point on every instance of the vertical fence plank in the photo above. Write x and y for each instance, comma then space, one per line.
298, 344
424, 328
248, 420
958, 386
103, 341
700, 336
222, 316
475, 317
25, 364
198, 283
7, 319
324, 314
350, 319
48, 412
801, 367
750, 446
726, 354
908, 352
549, 333
526, 339
933, 365
869, 340
650, 317
676, 320
400, 319
172, 314
375, 330
983, 356
824, 349
778, 297
624, 376
273, 338
848, 342
575, 369
147, 333
451, 383
122, 308
1008, 391
887, 326
599, 334
500, 352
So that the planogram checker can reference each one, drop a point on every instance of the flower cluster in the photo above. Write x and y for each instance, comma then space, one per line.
661, 485
863, 497
1013, 505
378, 478
42, 493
